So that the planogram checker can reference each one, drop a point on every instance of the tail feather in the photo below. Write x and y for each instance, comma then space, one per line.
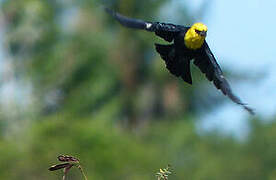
186, 72
176, 66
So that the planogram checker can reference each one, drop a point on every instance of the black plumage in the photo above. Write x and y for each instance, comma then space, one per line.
178, 57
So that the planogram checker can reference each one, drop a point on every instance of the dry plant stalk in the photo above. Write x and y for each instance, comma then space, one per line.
70, 161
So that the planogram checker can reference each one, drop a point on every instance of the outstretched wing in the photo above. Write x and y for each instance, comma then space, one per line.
164, 30
209, 66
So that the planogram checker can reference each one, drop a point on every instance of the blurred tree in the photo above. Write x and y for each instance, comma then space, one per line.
85, 73
77, 63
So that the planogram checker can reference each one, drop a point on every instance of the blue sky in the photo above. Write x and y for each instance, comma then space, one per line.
241, 34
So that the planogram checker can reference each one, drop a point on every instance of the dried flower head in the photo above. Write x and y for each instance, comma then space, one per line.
66, 158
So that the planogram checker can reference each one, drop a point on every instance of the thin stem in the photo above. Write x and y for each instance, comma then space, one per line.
82, 172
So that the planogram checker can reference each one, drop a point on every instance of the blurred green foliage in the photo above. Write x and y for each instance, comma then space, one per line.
99, 92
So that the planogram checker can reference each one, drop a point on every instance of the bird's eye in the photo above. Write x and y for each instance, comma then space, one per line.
201, 33
198, 31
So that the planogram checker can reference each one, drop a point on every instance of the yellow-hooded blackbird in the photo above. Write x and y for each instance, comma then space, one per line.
188, 44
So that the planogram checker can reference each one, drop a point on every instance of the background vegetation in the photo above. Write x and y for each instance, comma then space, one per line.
87, 87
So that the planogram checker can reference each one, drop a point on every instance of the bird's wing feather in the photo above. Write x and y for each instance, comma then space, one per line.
164, 30
209, 66
168, 31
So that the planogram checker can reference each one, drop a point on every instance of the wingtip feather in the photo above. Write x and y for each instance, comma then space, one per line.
248, 109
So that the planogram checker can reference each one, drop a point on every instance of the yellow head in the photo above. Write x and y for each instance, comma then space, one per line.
195, 36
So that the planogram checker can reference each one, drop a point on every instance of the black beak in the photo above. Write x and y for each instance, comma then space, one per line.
203, 33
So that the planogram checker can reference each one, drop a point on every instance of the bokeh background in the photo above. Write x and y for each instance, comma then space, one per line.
73, 81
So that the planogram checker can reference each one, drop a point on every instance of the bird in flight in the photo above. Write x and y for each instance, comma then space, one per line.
188, 44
